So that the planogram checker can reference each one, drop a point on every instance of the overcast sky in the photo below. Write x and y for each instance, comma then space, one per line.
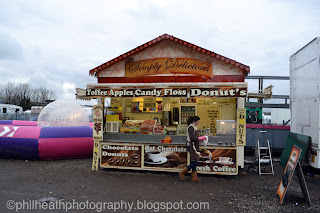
45, 43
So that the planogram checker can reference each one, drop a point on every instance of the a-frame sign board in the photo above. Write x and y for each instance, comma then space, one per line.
293, 164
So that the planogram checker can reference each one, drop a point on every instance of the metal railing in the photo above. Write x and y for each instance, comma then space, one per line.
19, 116
25, 116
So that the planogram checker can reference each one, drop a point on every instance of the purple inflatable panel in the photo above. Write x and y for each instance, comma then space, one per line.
23, 141
5, 122
19, 142
65, 142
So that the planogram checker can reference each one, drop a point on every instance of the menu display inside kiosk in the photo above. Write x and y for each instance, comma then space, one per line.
213, 115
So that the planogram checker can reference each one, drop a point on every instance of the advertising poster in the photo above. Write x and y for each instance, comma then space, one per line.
241, 127
288, 172
120, 155
165, 156
217, 161
97, 123
95, 158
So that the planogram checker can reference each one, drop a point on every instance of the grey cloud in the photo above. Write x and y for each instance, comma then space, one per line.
10, 49
47, 42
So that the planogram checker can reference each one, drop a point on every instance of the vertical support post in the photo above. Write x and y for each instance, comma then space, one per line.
240, 149
124, 108
96, 156
97, 133
303, 184
103, 115
261, 89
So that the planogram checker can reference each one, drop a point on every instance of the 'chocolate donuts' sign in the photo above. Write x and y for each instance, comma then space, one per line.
120, 155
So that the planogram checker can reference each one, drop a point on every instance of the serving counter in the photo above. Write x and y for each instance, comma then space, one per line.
223, 141
146, 152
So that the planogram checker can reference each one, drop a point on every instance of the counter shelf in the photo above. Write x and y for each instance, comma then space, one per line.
229, 140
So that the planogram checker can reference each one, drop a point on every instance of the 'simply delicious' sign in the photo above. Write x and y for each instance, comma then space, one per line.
168, 66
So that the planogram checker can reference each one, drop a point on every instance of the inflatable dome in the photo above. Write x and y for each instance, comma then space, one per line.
63, 113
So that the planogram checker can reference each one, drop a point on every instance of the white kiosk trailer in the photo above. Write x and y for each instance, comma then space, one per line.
153, 89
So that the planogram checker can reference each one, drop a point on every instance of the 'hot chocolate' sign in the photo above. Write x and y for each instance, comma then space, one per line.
165, 157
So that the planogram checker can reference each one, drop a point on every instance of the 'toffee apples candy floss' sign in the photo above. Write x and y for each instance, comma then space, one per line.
152, 92
168, 92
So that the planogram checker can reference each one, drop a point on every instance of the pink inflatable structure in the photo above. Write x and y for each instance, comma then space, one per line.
26, 140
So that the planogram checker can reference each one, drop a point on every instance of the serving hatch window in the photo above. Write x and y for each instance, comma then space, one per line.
153, 111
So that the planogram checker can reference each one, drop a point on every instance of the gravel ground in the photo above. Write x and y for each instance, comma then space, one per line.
73, 182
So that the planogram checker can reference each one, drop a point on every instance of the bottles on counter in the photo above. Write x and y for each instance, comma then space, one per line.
165, 130
205, 132
201, 132
208, 131
166, 140
185, 116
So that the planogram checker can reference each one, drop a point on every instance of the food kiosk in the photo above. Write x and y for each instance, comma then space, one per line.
145, 97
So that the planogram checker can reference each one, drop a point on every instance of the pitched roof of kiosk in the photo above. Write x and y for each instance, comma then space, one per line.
171, 38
